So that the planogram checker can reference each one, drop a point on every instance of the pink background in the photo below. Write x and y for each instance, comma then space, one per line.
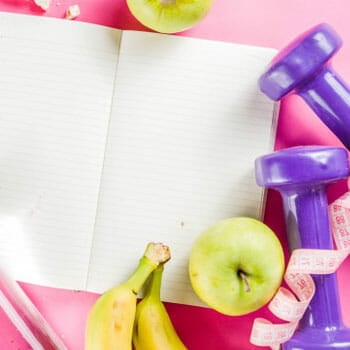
270, 23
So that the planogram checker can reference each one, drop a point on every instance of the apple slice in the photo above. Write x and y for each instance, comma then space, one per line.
169, 16
236, 266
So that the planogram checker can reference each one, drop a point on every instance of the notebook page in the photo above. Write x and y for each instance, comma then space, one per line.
187, 123
56, 86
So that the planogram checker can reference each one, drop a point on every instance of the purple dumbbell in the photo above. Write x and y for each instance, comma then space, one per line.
303, 68
301, 175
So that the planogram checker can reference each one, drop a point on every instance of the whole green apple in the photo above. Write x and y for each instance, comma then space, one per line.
236, 266
169, 16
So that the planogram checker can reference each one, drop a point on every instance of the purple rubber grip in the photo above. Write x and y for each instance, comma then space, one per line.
301, 175
303, 68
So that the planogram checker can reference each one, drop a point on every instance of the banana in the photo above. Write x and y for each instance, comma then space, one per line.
153, 329
111, 318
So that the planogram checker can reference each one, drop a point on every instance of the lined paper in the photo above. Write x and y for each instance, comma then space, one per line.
57, 80
187, 123
111, 139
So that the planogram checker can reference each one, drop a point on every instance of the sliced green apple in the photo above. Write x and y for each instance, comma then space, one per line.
169, 16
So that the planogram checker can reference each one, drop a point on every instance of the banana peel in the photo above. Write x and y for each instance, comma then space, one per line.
111, 319
153, 329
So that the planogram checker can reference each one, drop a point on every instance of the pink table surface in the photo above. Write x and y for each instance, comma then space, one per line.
267, 23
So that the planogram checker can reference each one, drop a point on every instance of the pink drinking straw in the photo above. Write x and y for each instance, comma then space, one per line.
26, 317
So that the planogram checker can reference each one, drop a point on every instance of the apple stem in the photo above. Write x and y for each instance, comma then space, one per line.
168, 2
245, 280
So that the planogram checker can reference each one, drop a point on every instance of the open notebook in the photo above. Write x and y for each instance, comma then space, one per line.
110, 139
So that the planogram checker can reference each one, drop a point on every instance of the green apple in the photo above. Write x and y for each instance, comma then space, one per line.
169, 16
236, 266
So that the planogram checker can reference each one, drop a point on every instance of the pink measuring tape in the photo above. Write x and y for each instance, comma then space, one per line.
290, 305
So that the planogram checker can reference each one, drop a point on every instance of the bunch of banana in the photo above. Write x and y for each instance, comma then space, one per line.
111, 319
153, 329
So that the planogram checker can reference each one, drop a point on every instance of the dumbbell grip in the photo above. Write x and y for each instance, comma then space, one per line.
307, 220
329, 97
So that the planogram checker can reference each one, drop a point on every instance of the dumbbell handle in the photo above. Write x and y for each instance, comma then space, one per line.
306, 214
329, 98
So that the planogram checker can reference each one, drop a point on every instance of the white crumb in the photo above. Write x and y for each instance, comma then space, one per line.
72, 12
44, 4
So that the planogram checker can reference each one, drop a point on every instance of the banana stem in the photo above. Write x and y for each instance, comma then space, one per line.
138, 278
155, 254
153, 290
